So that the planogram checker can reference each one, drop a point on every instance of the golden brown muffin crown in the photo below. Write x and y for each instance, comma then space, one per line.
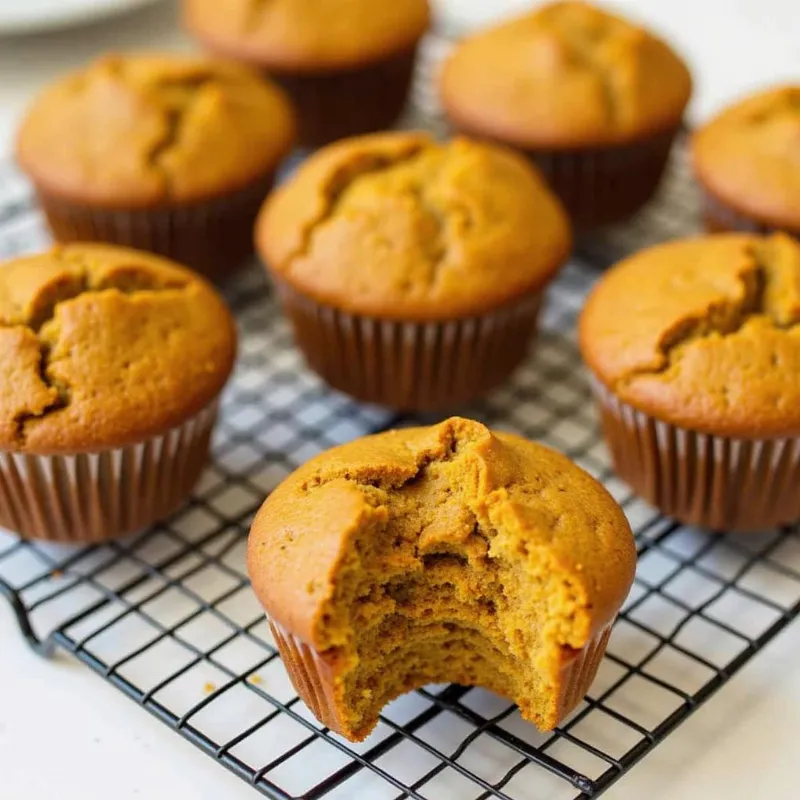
143, 129
748, 157
565, 75
400, 226
102, 346
469, 492
286, 35
703, 333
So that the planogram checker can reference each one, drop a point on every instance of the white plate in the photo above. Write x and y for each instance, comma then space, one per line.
33, 16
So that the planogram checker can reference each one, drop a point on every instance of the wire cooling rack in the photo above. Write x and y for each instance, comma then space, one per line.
168, 617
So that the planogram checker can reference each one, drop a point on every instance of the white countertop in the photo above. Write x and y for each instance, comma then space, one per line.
65, 734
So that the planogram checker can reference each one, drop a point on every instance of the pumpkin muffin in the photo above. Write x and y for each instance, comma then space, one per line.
747, 161
167, 153
111, 362
347, 64
695, 351
593, 99
441, 554
413, 271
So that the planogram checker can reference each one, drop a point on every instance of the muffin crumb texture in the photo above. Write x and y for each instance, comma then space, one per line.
437, 555
99, 345
397, 224
703, 333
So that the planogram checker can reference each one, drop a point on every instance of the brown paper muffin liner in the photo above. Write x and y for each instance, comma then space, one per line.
312, 676
606, 184
721, 218
214, 237
411, 366
346, 103
714, 482
92, 497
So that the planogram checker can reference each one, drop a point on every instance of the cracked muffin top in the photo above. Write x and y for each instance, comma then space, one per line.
703, 333
453, 496
101, 347
749, 157
566, 75
400, 226
286, 35
142, 130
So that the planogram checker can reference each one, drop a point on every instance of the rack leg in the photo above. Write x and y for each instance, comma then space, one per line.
44, 648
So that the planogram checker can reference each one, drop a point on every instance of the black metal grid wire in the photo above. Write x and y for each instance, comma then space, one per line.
168, 618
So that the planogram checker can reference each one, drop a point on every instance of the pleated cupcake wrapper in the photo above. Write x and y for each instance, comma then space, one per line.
91, 497
711, 481
313, 678
720, 217
346, 103
605, 184
578, 674
213, 237
412, 365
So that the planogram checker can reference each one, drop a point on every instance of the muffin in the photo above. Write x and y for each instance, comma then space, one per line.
594, 100
440, 554
694, 347
347, 64
746, 161
413, 271
111, 362
167, 153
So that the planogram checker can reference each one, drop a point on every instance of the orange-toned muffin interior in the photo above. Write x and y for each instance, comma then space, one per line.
440, 554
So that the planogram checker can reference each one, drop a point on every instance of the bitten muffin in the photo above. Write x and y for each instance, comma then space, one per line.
413, 271
747, 163
595, 100
695, 351
111, 362
167, 153
441, 554
347, 64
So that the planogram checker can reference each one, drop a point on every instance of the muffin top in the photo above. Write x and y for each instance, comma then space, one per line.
291, 36
460, 490
749, 157
703, 333
565, 75
102, 347
400, 226
143, 130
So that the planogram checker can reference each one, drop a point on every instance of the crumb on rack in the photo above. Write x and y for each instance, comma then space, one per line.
209, 688
256, 679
